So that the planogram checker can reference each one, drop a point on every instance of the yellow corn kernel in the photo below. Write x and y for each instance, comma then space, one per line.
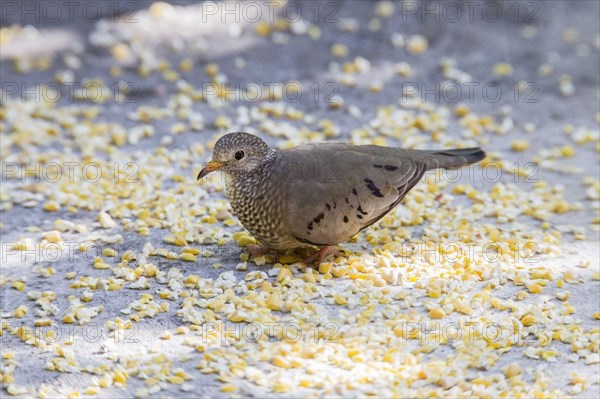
567, 151
92, 391
486, 382
105, 381
187, 257
535, 288
106, 221
128, 256
528, 320
101, 265
325, 267
339, 50
150, 270
186, 65
190, 250
437, 313
564, 295
513, 370
192, 279
87, 296
109, 253
228, 388
519, 145
339, 300
175, 240
53, 236
119, 377
339, 271
569, 277
21, 311
280, 361
274, 302
244, 239
18, 285
174, 379
283, 273
51, 206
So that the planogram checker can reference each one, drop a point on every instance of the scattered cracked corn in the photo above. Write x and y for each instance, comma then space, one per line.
519, 145
339, 50
106, 221
437, 313
513, 370
18, 285
188, 257
535, 288
502, 69
417, 44
228, 388
243, 239
528, 320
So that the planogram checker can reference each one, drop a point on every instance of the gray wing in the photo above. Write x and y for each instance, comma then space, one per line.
335, 190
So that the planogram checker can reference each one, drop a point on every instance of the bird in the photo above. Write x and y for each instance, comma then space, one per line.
319, 194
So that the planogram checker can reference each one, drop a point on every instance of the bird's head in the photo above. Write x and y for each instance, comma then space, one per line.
237, 153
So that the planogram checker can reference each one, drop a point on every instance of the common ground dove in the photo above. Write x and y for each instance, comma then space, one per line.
319, 194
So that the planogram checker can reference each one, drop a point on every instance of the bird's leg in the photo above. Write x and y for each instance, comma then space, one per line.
321, 255
259, 250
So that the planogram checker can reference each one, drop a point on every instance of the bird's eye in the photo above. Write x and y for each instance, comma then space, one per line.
239, 154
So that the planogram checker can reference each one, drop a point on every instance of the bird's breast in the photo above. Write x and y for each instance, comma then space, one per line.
259, 205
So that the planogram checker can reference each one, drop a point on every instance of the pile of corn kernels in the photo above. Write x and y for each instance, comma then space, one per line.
474, 286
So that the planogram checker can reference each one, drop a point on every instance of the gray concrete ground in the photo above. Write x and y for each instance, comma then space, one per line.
487, 49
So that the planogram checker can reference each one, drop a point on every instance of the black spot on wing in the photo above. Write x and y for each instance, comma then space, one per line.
391, 168
414, 175
370, 185
345, 219
328, 207
373, 188
320, 217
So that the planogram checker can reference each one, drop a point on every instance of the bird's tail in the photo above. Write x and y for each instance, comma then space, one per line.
453, 159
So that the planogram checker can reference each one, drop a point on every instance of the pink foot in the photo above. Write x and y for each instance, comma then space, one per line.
319, 256
260, 250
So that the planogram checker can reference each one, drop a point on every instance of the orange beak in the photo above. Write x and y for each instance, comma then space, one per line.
209, 168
